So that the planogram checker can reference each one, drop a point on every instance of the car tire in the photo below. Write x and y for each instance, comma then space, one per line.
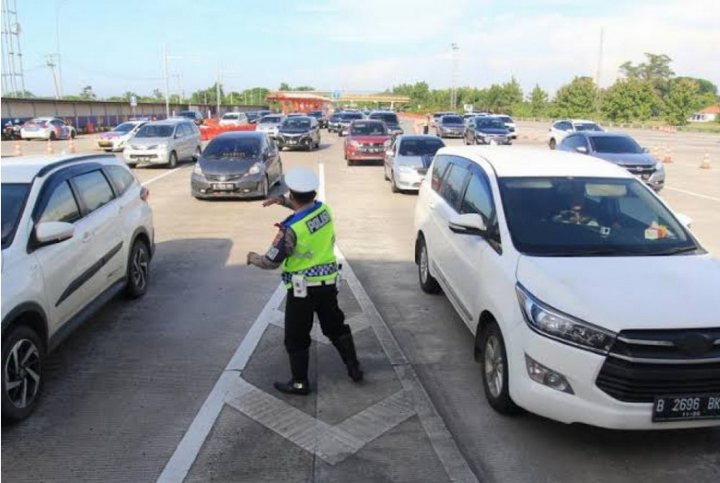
265, 188
385, 175
393, 186
53, 136
428, 284
138, 270
172, 160
552, 143
73, 134
495, 374
25, 342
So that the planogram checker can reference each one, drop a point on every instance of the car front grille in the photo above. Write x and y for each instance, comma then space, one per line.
642, 169
421, 171
223, 177
644, 364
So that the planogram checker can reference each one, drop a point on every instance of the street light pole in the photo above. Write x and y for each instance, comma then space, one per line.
167, 88
57, 46
453, 94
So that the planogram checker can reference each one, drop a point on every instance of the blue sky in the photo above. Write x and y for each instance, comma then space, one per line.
362, 45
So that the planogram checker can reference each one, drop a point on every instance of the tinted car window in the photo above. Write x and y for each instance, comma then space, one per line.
155, 131
572, 142
121, 178
439, 167
13, 200
233, 147
563, 126
61, 206
486, 122
420, 147
478, 198
452, 187
297, 123
124, 127
94, 189
368, 128
387, 117
452, 120
615, 144
590, 126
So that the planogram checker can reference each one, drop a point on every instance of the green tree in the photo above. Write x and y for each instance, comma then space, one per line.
207, 96
680, 101
538, 101
20, 94
284, 86
158, 95
512, 93
304, 88
576, 99
87, 93
630, 99
656, 70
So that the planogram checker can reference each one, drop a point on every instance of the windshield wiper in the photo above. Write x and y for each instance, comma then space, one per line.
589, 253
674, 251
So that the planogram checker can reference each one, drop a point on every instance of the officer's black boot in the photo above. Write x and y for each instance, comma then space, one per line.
299, 384
345, 345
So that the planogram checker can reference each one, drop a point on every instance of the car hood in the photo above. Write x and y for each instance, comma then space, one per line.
225, 166
414, 161
150, 141
629, 159
286, 130
113, 135
493, 130
620, 293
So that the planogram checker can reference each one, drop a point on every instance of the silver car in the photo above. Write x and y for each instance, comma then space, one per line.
269, 124
408, 159
164, 142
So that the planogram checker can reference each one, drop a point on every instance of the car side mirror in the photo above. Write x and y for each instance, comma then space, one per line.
685, 220
49, 232
645, 150
581, 149
467, 224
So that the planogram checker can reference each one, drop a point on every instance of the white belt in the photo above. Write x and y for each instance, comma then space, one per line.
319, 284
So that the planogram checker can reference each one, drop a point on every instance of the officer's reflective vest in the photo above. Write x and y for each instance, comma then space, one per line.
314, 253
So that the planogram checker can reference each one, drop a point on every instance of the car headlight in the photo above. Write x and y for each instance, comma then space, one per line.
562, 327
404, 169
255, 168
162, 147
387, 143
197, 169
354, 144
659, 166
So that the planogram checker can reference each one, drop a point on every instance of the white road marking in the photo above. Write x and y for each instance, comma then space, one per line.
693, 194
152, 180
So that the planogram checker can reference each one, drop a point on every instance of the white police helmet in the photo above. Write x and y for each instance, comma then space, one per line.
301, 180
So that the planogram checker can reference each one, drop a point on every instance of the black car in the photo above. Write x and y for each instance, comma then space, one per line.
345, 119
299, 132
194, 116
452, 125
334, 122
239, 164
321, 119
253, 116
487, 130
390, 119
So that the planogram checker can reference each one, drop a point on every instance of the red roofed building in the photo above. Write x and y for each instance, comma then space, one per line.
708, 114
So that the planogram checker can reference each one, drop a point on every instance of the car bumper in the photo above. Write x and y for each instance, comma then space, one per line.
40, 134
146, 156
249, 186
294, 143
451, 134
588, 404
501, 141
356, 155
408, 180
111, 144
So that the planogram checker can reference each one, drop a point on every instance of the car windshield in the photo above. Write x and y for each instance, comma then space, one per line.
590, 126
589, 217
189, 114
335, 117
505, 119
615, 145
13, 200
270, 120
420, 147
316, 114
124, 127
231, 116
452, 120
232, 148
296, 123
489, 123
387, 117
368, 129
352, 115
155, 131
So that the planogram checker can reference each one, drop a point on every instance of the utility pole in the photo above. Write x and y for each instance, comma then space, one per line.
453, 94
167, 87
13, 78
600, 57
50, 63
217, 90
57, 46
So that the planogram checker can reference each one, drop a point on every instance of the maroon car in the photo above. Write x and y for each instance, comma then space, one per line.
367, 140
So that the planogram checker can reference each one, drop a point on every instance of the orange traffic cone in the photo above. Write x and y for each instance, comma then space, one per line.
668, 156
72, 148
50, 149
705, 162
18, 149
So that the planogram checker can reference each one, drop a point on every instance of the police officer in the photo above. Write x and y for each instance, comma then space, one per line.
304, 246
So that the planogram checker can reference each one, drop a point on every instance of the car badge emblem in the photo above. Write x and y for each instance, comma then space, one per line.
223, 178
694, 344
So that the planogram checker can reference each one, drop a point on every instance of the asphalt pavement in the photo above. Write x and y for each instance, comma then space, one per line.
177, 386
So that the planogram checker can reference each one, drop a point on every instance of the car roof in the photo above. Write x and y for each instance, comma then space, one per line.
371, 121
23, 169
527, 161
577, 121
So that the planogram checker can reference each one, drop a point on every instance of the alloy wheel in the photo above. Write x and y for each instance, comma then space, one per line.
22, 373
139, 271
494, 366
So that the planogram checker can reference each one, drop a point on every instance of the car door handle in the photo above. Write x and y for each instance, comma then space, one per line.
87, 236
431, 205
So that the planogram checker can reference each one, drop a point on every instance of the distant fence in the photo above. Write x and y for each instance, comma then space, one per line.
101, 114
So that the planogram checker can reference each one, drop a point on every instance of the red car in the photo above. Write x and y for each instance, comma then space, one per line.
367, 140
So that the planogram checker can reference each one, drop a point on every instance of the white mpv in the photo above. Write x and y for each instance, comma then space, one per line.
75, 231
590, 301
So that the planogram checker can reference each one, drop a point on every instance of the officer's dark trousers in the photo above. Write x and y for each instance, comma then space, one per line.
299, 313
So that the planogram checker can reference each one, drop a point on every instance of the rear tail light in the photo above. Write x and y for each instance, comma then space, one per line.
144, 193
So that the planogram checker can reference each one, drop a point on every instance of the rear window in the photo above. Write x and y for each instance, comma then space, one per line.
270, 120
231, 115
155, 131
420, 147
452, 120
588, 127
387, 117
368, 129
233, 148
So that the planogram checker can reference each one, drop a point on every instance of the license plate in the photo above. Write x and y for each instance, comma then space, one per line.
143, 158
292, 142
105, 144
645, 176
683, 408
373, 150
223, 187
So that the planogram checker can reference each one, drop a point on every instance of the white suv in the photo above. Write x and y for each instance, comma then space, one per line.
589, 300
75, 231
563, 128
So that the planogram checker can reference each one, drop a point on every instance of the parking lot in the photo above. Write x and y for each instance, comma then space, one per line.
178, 385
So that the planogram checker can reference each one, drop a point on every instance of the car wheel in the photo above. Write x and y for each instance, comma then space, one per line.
172, 161
198, 152
393, 186
73, 134
138, 271
265, 188
53, 136
428, 284
385, 173
22, 378
495, 372
552, 143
